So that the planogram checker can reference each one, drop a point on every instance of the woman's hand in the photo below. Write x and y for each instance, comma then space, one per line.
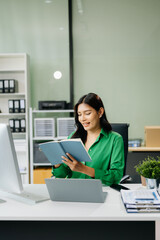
73, 164
57, 165
76, 166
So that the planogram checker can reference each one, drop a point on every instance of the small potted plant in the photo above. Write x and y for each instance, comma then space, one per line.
150, 170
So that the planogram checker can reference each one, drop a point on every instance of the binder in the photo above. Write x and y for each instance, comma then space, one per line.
16, 106
22, 105
1, 86
17, 125
11, 105
11, 85
6, 86
23, 125
11, 124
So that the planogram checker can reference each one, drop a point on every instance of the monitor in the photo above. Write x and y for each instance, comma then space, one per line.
10, 178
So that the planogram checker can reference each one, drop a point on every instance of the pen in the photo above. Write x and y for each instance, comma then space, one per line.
154, 195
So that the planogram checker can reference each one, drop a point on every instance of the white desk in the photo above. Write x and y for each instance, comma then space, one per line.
112, 210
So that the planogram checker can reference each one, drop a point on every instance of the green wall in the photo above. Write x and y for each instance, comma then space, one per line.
41, 30
116, 53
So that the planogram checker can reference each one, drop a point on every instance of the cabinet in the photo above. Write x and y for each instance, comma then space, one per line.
16, 66
42, 169
136, 155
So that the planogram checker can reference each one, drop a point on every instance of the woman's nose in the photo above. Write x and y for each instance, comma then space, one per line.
82, 117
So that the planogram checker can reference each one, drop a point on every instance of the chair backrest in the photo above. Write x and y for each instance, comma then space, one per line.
122, 129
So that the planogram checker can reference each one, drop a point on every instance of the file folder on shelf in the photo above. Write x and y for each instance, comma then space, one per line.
22, 105
22, 125
11, 105
17, 125
12, 85
6, 86
1, 86
16, 106
11, 124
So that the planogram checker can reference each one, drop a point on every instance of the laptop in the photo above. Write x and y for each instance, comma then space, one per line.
75, 190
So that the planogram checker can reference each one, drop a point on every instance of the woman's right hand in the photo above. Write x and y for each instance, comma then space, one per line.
57, 165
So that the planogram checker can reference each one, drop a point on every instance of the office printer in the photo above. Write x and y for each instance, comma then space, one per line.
52, 105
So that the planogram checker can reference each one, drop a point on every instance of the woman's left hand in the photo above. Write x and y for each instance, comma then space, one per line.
73, 164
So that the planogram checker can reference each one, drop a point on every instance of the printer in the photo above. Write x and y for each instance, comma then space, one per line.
52, 105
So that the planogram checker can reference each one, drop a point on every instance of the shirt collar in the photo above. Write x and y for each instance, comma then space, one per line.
102, 132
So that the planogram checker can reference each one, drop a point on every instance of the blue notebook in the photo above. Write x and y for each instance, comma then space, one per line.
55, 149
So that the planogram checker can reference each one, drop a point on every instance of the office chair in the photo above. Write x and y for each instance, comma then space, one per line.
122, 129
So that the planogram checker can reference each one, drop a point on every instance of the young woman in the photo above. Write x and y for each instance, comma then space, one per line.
104, 146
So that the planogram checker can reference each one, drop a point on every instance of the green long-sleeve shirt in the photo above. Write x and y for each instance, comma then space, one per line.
107, 154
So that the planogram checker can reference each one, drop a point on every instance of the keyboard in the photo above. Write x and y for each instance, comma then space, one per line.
144, 195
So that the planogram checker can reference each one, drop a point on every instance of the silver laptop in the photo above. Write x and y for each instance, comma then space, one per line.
75, 190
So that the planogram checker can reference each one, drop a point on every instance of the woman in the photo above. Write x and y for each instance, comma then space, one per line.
104, 146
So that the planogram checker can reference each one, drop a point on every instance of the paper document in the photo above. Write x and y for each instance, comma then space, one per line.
141, 201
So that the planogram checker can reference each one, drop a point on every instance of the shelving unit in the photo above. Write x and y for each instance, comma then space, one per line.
16, 66
45, 166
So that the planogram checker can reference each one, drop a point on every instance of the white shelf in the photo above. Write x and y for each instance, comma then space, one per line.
12, 55
32, 115
20, 133
12, 70
15, 66
23, 172
53, 111
42, 164
12, 114
48, 139
12, 95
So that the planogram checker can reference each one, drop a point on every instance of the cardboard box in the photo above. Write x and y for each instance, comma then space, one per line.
152, 136
39, 174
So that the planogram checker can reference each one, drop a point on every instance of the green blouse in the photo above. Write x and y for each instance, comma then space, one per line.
107, 154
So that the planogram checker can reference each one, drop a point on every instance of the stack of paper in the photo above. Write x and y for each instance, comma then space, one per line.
143, 201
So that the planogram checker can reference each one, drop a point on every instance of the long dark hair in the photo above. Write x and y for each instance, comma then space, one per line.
95, 102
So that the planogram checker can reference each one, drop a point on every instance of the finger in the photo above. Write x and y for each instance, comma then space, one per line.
68, 163
71, 157
66, 159
65, 162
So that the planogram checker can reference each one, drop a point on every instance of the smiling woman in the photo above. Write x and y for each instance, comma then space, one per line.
104, 146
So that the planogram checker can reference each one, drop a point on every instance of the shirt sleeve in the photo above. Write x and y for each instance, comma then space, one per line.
115, 172
62, 171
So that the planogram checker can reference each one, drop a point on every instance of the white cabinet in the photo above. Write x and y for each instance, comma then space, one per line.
39, 170
15, 66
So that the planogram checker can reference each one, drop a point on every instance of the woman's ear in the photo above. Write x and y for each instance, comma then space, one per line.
100, 112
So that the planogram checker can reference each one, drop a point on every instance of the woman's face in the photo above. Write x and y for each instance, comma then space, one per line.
89, 117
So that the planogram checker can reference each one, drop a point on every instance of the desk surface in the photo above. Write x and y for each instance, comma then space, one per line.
112, 209
144, 149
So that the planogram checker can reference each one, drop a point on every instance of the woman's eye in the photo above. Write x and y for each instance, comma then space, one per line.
88, 113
